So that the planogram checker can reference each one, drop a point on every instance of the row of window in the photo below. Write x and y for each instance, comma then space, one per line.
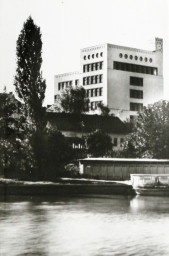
97, 55
93, 66
126, 56
136, 106
135, 68
114, 141
138, 81
115, 144
63, 85
93, 105
92, 79
94, 92
136, 94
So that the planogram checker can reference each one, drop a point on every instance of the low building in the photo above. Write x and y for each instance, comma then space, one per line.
76, 126
120, 169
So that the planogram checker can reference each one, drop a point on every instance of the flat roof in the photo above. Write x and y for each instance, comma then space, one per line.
124, 160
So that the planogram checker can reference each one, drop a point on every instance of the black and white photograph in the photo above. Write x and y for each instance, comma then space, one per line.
84, 127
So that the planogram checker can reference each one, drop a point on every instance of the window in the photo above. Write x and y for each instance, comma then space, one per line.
138, 81
120, 55
84, 80
92, 106
136, 94
115, 142
136, 58
141, 58
89, 80
98, 91
93, 56
145, 59
90, 67
89, 57
77, 82
131, 57
97, 66
101, 91
101, 78
135, 68
125, 56
59, 86
97, 55
85, 68
121, 141
93, 66
136, 106
84, 57
150, 60
101, 54
97, 79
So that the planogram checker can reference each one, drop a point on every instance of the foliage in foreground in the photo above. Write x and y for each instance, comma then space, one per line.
29, 84
150, 134
28, 149
74, 100
99, 144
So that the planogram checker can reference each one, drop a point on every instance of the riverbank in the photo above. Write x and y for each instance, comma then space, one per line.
65, 187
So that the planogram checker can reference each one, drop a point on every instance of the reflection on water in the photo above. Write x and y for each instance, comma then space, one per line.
85, 226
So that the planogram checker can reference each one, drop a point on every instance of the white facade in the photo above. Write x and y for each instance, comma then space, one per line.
122, 78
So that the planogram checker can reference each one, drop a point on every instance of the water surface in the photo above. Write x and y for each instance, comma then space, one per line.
86, 226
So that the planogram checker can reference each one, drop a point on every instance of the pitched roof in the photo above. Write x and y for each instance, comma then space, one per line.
86, 123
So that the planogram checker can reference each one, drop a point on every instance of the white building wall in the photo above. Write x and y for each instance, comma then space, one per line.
116, 83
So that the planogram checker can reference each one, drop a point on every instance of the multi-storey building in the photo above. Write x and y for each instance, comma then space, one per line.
124, 79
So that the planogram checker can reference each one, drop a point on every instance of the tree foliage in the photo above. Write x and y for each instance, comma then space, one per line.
150, 134
104, 109
74, 100
99, 143
30, 86
14, 147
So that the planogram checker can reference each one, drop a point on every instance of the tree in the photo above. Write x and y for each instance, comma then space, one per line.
74, 100
99, 143
30, 86
13, 146
59, 152
104, 109
150, 134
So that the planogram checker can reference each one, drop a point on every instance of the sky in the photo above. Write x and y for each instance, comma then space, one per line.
69, 25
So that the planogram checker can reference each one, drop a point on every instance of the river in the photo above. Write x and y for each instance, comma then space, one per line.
84, 226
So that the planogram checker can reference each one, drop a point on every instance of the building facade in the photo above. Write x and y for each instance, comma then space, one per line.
122, 78
77, 127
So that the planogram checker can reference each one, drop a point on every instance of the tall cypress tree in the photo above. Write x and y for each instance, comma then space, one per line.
30, 86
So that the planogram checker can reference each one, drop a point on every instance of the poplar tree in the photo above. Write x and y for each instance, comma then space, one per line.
30, 86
